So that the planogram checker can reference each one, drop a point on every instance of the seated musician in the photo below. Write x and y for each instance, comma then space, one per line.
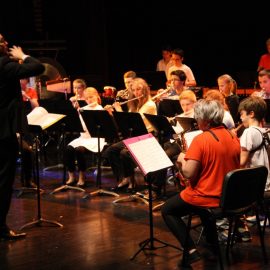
204, 173
117, 155
123, 95
216, 95
77, 148
228, 86
78, 85
187, 100
176, 85
264, 82
30, 96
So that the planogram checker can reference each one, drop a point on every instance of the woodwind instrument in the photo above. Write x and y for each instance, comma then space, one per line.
124, 102
86, 106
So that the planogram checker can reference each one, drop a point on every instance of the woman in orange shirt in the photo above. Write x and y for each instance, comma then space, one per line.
205, 164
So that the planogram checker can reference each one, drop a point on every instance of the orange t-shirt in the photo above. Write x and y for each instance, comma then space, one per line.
217, 158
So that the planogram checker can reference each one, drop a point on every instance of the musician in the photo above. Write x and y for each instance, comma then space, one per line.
228, 86
78, 85
264, 82
28, 93
176, 85
10, 117
77, 148
205, 163
128, 77
178, 58
118, 156
252, 110
216, 95
187, 101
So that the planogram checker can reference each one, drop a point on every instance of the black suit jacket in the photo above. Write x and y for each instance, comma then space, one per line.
11, 116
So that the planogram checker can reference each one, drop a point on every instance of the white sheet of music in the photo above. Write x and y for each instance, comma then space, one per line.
40, 117
189, 136
148, 153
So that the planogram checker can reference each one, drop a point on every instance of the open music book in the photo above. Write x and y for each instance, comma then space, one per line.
148, 153
40, 117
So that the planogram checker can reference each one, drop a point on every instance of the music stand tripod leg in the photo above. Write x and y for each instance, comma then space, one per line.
99, 191
39, 220
148, 244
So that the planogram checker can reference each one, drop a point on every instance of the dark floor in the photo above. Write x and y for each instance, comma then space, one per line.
97, 233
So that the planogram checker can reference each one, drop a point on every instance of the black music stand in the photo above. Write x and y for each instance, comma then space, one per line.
100, 124
142, 149
164, 131
169, 107
25, 189
130, 124
71, 123
187, 123
162, 126
37, 130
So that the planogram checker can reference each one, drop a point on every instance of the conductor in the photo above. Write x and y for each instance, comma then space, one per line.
14, 65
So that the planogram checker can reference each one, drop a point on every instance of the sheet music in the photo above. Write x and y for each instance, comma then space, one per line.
40, 117
148, 153
189, 136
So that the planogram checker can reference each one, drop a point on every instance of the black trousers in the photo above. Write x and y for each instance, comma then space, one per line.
123, 165
8, 155
72, 154
120, 160
175, 208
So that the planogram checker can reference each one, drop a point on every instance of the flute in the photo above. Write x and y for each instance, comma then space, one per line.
123, 102
87, 106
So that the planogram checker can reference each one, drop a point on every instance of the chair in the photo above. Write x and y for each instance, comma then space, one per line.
266, 209
243, 191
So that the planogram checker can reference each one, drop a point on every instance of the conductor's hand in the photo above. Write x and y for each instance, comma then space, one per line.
16, 53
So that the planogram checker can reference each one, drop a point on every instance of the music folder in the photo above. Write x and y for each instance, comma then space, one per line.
40, 117
148, 154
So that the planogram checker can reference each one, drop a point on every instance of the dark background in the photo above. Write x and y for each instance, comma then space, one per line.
99, 40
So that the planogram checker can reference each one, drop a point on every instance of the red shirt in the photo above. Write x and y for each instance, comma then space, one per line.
217, 158
30, 92
265, 61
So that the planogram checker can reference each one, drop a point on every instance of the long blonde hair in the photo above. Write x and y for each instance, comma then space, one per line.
135, 105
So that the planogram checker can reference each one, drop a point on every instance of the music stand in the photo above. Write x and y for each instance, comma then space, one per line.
25, 189
187, 123
100, 124
150, 157
169, 107
37, 130
130, 124
162, 126
71, 123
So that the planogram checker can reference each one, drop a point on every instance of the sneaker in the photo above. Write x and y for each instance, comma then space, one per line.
223, 223
191, 258
262, 223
